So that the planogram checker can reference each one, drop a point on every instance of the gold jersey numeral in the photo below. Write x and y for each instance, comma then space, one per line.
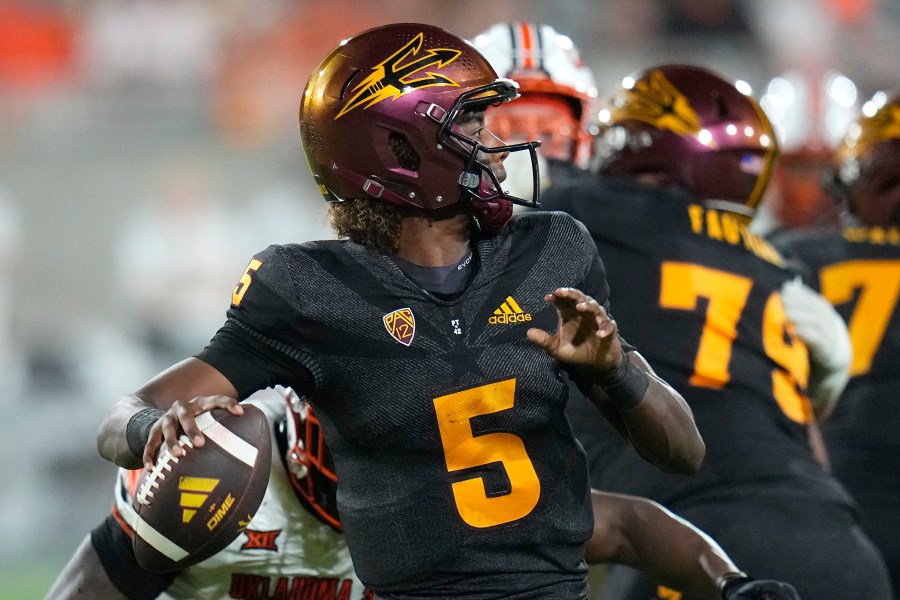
246, 279
726, 294
463, 450
878, 283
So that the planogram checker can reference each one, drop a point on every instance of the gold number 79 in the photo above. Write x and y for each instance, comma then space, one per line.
684, 283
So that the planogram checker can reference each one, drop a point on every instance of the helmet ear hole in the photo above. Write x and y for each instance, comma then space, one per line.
403, 151
722, 106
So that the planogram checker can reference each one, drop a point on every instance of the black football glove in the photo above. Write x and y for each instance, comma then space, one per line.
747, 588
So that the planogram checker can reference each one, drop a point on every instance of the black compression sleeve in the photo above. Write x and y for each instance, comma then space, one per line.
627, 385
138, 429
252, 365
113, 547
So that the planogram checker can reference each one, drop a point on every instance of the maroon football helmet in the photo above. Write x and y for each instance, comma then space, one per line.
380, 119
689, 127
868, 163
309, 463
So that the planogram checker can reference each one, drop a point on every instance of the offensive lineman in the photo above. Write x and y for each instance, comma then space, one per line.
685, 157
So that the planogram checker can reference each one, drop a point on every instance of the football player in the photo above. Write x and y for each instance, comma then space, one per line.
293, 550
858, 270
557, 94
422, 337
684, 156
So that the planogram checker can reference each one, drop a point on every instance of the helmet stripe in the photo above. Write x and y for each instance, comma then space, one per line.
540, 47
514, 44
527, 46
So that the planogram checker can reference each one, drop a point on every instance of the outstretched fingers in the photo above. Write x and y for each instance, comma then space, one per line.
541, 339
580, 318
605, 326
565, 299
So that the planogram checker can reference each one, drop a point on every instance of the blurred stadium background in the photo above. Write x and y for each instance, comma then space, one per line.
149, 147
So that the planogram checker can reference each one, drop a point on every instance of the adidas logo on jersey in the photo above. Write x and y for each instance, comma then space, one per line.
509, 312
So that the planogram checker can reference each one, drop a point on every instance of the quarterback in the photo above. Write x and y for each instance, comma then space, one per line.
459, 473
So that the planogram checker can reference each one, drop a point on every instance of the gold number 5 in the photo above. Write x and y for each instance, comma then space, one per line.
463, 450
241, 288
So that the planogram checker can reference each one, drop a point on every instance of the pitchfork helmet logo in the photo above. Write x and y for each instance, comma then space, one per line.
390, 79
656, 101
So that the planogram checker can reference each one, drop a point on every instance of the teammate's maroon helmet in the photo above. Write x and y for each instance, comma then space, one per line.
379, 119
689, 127
309, 463
868, 163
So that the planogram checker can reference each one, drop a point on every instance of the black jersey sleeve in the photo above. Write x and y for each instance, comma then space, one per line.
251, 365
116, 554
594, 282
253, 349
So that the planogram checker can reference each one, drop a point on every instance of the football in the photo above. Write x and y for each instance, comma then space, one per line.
191, 507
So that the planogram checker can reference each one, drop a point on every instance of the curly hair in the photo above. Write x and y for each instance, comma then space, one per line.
373, 224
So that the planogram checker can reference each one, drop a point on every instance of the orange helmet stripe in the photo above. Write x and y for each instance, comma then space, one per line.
528, 46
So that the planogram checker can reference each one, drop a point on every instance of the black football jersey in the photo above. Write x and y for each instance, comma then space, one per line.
697, 293
459, 475
858, 271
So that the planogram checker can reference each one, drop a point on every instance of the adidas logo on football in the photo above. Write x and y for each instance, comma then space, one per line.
509, 312
194, 492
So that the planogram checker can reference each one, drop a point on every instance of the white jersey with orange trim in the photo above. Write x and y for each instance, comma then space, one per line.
284, 553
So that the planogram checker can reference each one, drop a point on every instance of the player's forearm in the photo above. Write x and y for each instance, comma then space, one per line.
660, 425
689, 560
672, 551
663, 431
112, 439
122, 437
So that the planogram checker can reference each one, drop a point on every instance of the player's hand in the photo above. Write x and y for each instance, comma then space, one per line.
824, 332
585, 334
180, 418
818, 324
747, 588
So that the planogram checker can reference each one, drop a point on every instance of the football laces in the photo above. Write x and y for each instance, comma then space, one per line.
158, 473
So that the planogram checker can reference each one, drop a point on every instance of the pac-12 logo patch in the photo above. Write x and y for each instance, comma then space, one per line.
401, 324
